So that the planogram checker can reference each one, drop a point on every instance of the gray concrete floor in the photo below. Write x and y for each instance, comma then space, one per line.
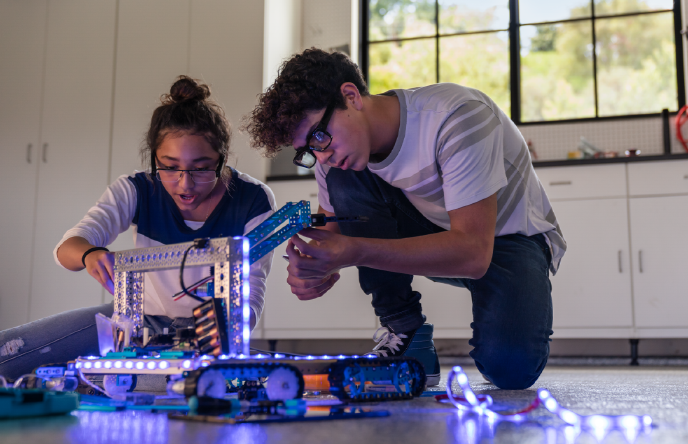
661, 392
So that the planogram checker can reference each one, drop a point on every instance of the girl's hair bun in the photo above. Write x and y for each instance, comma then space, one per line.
186, 88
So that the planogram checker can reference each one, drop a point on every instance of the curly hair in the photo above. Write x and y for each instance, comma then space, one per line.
307, 82
189, 109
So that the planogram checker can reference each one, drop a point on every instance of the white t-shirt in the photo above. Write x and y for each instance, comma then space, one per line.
456, 147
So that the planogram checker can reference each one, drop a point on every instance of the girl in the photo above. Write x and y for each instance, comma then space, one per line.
188, 193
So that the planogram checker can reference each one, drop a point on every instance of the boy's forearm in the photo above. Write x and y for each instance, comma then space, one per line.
446, 254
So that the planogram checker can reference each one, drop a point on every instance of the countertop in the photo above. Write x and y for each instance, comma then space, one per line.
542, 163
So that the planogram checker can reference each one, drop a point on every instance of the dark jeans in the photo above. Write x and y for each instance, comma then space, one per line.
512, 303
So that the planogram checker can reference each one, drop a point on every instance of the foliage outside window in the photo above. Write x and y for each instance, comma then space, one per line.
577, 58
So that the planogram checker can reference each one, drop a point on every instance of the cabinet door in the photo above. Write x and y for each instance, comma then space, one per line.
226, 50
343, 312
22, 36
593, 285
151, 53
660, 241
76, 119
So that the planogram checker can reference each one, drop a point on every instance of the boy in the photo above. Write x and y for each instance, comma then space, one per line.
447, 183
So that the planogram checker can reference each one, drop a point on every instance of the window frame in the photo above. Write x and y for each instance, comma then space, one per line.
515, 55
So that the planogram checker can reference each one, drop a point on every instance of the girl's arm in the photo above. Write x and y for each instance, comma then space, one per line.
109, 217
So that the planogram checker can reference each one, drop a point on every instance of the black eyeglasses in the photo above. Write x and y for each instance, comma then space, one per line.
198, 175
318, 140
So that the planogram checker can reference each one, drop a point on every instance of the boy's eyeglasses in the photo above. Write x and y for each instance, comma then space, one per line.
318, 140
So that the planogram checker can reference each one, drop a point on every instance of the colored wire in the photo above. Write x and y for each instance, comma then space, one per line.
193, 287
681, 118
600, 424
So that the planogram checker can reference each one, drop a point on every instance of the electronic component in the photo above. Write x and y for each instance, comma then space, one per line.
16, 403
211, 327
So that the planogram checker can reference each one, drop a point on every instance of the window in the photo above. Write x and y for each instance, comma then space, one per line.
570, 59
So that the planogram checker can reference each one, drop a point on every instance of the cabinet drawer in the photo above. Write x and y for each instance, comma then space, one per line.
294, 191
580, 182
653, 178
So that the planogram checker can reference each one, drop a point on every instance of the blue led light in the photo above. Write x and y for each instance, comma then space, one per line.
139, 365
118, 364
78, 365
108, 364
164, 365
598, 425
150, 365
279, 356
186, 364
129, 365
97, 364
88, 365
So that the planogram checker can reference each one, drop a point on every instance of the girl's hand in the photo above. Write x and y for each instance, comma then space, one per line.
101, 265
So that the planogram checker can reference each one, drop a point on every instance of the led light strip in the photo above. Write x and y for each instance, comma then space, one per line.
600, 424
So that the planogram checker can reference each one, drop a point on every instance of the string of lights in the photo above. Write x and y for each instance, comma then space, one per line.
599, 425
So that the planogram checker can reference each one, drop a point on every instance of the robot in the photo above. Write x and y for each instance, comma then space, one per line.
215, 355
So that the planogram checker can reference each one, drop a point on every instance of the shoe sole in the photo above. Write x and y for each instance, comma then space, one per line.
433, 380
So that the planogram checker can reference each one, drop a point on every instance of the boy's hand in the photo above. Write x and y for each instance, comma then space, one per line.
314, 266
101, 265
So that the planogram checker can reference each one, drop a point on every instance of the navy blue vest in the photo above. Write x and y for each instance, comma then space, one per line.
158, 218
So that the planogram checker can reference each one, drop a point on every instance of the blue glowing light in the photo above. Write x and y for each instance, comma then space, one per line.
108, 364
78, 365
139, 365
118, 364
129, 365
598, 425
279, 356
164, 365
150, 365
186, 364
98, 364
88, 365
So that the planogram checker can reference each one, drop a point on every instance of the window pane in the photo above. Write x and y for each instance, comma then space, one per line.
469, 15
608, 7
557, 72
537, 11
636, 64
401, 65
393, 19
479, 61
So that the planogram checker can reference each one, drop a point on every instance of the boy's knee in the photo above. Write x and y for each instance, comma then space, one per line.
512, 368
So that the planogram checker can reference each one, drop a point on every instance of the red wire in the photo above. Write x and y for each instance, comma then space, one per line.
681, 118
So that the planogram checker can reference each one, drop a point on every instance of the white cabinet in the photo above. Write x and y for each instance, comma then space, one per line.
592, 289
22, 35
658, 214
660, 280
75, 133
591, 292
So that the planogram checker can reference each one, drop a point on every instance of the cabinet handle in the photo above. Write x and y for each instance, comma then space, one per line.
561, 182
313, 195
45, 153
640, 260
620, 268
28, 152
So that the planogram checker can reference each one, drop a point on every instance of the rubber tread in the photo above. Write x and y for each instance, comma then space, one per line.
337, 386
